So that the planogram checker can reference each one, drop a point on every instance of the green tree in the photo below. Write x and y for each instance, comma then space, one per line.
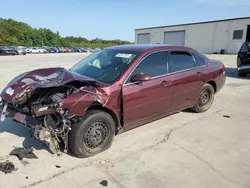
18, 33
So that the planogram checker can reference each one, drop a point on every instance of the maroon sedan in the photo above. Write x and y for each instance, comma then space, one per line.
109, 92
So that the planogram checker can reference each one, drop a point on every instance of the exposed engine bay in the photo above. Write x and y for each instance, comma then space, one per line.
38, 102
55, 126
44, 104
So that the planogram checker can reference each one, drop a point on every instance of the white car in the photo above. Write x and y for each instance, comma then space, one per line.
36, 50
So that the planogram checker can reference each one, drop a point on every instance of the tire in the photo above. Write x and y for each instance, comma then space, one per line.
205, 99
82, 134
242, 74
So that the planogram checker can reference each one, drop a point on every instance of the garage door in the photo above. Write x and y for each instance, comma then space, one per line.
174, 38
143, 38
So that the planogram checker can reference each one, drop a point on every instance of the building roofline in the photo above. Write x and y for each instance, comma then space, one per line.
231, 19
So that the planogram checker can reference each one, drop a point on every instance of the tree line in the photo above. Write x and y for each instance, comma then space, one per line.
14, 33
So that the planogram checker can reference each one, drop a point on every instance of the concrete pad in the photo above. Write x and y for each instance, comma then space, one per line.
83, 177
166, 165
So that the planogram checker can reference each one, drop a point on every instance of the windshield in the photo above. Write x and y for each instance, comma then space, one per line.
105, 65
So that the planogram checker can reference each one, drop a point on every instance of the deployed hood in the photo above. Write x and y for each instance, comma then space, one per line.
49, 77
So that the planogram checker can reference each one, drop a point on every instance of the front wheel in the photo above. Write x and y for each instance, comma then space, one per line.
94, 134
205, 99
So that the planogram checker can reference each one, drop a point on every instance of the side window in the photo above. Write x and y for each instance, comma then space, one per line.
180, 61
244, 48
153, 65
200, 61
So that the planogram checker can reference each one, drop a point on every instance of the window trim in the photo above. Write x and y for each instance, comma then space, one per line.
241, 36
142, 60
244, 44
181, 51
167, 58
200, 57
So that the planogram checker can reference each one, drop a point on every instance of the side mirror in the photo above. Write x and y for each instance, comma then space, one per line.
140, 78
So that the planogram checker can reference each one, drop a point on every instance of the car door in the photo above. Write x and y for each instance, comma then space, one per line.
148, 99
244, 55
185, 79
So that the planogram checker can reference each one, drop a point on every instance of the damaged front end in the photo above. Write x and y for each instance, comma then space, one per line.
48, 101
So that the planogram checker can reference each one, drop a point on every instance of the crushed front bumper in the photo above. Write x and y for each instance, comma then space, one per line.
8, 111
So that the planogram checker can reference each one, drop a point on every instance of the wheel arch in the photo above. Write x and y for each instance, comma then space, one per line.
98, 106
213, 84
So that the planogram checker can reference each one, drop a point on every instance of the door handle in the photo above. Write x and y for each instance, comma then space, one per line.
165, 83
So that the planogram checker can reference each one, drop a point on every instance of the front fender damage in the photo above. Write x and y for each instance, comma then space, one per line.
51, 110
77, 103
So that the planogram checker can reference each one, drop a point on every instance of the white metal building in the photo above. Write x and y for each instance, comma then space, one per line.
205, 37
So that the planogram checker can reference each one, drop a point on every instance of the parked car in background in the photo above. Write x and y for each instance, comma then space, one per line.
94, 50
109, 92
28, 50
78, 50
34, 50
83, 50
243, 60
37, 50
51, 50
56, 49
5, 50
68, 50
61, 50
19, 50
74, 49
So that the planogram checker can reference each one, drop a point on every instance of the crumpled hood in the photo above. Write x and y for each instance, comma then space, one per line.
48, 77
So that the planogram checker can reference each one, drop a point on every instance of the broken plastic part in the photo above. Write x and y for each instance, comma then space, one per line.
23, 153
7, 167
104, 183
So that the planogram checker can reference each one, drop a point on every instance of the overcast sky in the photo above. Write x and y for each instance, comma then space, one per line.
117, 19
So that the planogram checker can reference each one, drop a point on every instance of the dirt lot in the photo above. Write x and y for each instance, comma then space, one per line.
203, 150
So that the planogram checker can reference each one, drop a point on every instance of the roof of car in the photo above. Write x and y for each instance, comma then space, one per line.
143, 47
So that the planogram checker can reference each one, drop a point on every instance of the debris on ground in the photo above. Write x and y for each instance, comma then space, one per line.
104, 183
7, 167
58, 166
226, 116
23, 153
27, 177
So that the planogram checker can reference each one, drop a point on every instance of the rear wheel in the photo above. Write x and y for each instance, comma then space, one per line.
94, 134
205, 99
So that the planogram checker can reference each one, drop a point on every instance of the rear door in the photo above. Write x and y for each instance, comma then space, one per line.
185, 79
244, 55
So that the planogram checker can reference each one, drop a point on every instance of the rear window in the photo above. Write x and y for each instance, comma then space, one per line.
245, 47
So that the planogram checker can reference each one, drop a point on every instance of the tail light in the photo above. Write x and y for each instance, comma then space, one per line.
223, 68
